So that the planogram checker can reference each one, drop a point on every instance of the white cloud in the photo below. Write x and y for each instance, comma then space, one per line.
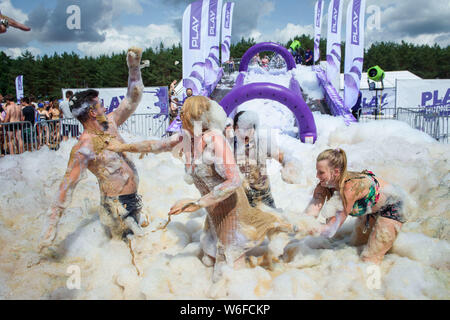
17, 52
128, 6
120, 40
8, 9
119, 7
248, 14
415, 21
290, 31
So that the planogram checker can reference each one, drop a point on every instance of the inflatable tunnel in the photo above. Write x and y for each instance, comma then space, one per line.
291, 97
266, 90
268, 46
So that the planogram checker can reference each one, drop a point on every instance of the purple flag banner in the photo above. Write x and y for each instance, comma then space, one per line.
317, 29
213, 70
227, 20
354, 51
213, 18
334, 42
195, 29
19, 88
193, 48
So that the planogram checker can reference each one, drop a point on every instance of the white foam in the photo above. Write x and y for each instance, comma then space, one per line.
310, 267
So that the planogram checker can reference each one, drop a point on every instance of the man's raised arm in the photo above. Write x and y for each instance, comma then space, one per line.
135, 87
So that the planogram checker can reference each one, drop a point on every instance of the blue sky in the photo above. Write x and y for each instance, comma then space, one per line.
114, 25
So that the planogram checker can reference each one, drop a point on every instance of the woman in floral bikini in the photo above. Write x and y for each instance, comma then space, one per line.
377, 204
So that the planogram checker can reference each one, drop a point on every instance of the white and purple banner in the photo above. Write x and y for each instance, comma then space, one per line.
19, 88
193, 48
213, 70
334, 42
155, 100
412, 93
383, 101
354, 51
227, 22
318, 10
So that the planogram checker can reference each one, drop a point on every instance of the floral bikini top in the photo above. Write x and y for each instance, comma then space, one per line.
361, 205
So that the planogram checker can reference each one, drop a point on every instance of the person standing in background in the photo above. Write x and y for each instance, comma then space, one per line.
356, 109
14, 114
68, 126
29, 115
308, 57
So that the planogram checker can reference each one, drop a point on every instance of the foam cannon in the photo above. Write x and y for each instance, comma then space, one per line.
376, 75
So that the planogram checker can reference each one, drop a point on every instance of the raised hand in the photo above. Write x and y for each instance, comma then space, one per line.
6, 22
134, 56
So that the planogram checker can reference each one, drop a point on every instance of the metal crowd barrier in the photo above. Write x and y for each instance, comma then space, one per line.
431, 120
229, 68
369, 114
48, 133
147, 125
16, 137
71, 128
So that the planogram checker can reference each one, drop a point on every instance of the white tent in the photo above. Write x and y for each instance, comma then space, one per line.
389, 78
387, 98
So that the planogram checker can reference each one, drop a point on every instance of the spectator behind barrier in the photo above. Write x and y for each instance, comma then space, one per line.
356, 109
55, 115
308, 57
14, 130
2, 111
2, 133
28, 112
189, 93
172, 88
69, 127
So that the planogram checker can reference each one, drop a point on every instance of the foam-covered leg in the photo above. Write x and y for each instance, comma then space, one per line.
358, 237
381, 239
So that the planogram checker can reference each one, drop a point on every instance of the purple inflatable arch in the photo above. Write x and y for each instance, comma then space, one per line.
267, 46
266, 90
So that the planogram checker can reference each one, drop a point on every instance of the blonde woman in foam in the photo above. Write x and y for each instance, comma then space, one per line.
232, 226
377, 204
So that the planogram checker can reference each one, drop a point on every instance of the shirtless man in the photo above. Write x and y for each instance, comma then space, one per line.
6, 22
116, 174
14, 130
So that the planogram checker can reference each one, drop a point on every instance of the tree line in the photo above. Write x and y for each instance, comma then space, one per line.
44, 76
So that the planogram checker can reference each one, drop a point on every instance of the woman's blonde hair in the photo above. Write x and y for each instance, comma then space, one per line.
192, 110
208, 112
336, 159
